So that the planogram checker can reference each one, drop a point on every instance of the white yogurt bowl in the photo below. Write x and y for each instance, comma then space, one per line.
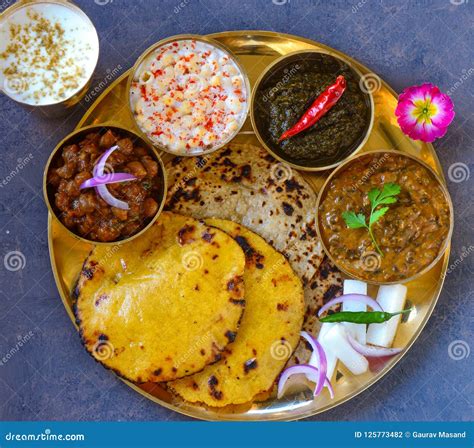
188, 95
48, 53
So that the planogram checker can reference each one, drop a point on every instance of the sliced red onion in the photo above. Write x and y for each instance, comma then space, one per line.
310, 372
105, 194
100, 188
112, 178
100, 164
362, 298
322, 363
371, 351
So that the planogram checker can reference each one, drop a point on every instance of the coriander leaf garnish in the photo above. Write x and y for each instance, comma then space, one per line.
376, 197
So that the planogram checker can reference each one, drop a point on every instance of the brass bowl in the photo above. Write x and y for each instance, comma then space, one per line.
63, 106
199, 38
48, 191
355, 274
281, 69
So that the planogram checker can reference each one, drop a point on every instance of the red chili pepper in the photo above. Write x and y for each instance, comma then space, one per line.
319, 108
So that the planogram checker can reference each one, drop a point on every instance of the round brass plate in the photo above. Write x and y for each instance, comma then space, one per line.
255, 50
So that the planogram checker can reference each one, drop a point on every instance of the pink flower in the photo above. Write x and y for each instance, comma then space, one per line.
424, 112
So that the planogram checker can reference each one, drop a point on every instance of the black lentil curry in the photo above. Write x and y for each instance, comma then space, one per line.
289, 90
412, 232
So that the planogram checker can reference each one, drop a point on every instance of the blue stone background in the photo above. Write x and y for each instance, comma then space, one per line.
405, 42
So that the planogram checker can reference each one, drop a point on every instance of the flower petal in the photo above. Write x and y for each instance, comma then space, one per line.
445, 111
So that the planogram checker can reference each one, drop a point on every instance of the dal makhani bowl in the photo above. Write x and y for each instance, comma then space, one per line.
384, 217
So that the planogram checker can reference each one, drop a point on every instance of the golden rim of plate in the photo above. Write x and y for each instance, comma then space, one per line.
263, 142
102, 126
345, 165
289, 413
209, 41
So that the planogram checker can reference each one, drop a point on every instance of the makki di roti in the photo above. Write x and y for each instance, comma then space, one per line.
245, 184
164, 305
268, 333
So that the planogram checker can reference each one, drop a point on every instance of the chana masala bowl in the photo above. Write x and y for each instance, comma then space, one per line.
384, 217
188, 95
104, 184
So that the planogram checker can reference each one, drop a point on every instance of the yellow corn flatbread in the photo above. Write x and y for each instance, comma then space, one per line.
164, 305
268, 334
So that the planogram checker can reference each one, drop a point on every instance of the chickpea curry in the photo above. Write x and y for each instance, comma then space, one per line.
83, 210
410, 234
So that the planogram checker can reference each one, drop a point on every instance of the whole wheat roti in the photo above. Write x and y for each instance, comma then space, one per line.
245, 184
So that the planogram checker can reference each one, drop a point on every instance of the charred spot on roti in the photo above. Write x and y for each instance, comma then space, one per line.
203, 352
250, 365
288, 209
331, 293
212, 383
186, 234
230, 335
282, 306
237, 302
157, 372
101, 298
208, 236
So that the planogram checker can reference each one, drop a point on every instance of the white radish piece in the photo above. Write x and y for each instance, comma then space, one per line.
358, 331
330, 355
336, 338
392, 299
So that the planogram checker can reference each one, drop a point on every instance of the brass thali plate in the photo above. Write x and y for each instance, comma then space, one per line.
255, 50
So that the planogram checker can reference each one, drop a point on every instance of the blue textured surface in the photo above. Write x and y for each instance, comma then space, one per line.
405, 42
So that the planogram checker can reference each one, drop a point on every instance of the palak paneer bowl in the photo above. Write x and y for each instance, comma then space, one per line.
332, 95
384, 217
104, 184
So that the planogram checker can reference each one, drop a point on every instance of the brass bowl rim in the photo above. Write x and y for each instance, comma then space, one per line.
208, 40
61, 144
441, 184
267, 147
68, 4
